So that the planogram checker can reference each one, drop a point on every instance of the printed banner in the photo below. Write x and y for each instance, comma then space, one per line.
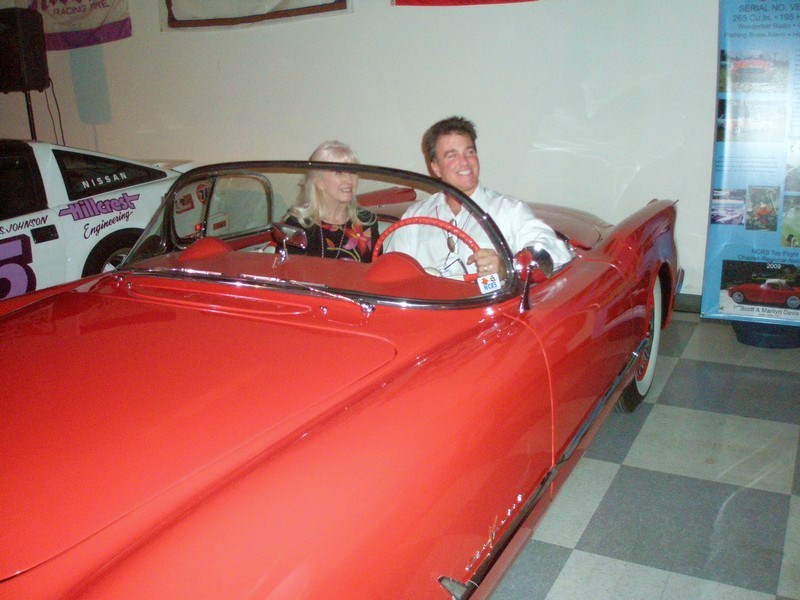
202, 13
78, 23
453, 2
752, 268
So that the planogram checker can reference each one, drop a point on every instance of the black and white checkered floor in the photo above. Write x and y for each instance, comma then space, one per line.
694, 496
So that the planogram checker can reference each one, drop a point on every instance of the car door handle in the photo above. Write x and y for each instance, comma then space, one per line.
44, 234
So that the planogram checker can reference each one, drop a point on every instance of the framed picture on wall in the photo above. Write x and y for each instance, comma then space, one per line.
201, 13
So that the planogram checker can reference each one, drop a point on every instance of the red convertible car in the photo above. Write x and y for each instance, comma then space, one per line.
772, 291
221, 418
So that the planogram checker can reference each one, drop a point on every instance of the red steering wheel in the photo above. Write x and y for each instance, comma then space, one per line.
448, 227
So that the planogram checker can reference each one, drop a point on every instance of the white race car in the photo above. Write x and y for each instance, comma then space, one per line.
66, 213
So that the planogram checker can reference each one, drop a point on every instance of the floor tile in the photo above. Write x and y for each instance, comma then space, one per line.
588, 576
533, 572
735, 390
721, 448
574, 505
716, 341
765, 358
789, 586
664, 368
617, 435
675, 338
691, 317
713, 531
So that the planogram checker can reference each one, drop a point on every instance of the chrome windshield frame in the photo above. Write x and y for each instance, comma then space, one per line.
514, 284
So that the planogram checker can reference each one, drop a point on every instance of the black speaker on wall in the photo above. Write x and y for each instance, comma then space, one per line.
23, 58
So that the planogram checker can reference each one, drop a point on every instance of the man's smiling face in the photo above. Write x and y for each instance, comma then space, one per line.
456, 162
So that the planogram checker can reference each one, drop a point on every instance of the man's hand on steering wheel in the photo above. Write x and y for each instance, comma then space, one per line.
486, 261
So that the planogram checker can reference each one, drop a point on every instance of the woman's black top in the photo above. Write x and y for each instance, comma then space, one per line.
350, 241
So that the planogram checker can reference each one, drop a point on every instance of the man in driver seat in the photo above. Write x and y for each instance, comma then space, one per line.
452, 156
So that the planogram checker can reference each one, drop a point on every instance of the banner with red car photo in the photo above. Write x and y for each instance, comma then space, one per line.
752, 268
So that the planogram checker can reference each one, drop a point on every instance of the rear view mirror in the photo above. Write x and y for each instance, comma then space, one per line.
534, 266
288, 235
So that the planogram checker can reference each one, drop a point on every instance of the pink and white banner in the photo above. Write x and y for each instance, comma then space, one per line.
78, 23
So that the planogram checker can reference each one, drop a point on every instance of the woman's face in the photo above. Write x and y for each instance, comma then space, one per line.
337, 187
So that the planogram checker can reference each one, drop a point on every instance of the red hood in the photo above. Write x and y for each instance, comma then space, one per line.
95, 379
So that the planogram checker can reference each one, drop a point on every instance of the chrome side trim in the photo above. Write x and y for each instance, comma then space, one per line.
465, 590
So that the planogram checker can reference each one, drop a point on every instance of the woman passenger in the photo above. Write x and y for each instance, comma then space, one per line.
328, 212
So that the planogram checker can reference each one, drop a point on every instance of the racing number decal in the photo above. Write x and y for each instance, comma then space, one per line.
16, 275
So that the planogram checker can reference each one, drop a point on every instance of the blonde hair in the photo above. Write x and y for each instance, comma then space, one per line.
308, 210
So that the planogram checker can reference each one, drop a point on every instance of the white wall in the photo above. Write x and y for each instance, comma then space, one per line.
597, 104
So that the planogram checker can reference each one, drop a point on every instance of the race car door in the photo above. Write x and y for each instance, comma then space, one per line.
32, 247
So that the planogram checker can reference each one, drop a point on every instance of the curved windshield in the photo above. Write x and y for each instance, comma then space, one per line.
264, 224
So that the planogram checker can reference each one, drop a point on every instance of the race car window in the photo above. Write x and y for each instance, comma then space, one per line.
21, 190
86, 175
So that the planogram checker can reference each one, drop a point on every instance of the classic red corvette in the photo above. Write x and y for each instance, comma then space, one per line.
772, 291
220, 418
